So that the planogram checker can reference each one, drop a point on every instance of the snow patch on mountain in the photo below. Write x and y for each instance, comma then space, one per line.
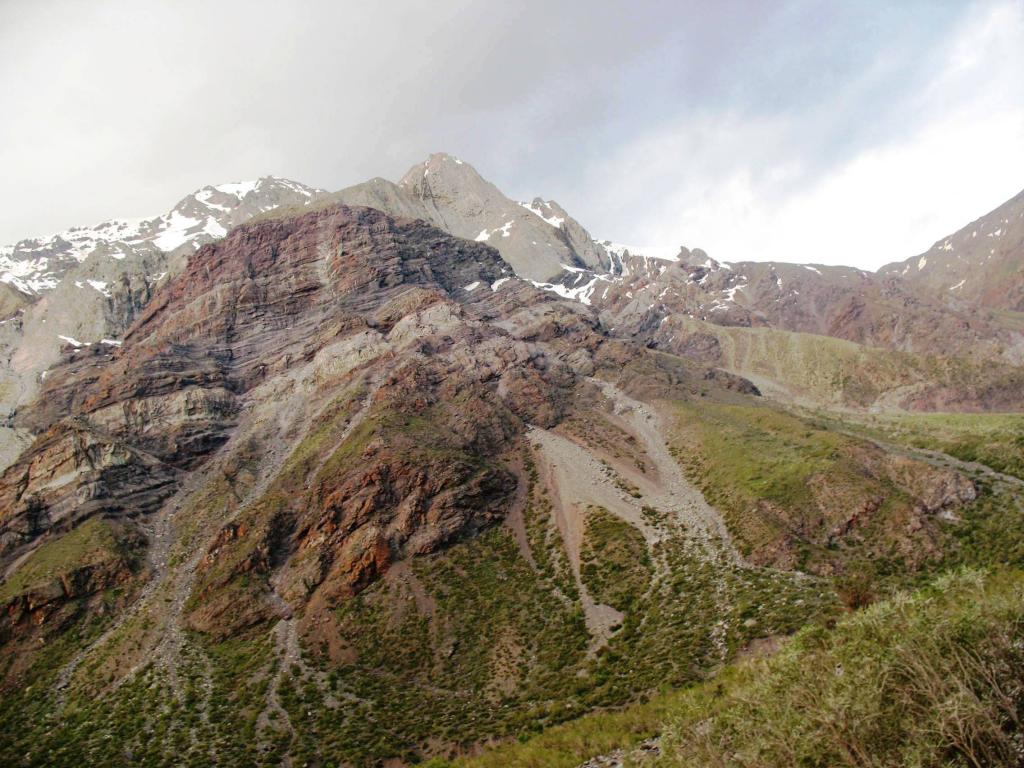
238, 188
535, 208
663, 252
36, 265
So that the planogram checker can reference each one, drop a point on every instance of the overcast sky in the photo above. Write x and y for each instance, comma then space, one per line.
837, 132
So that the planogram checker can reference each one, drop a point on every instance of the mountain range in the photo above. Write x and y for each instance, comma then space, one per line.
87, 284
401, 471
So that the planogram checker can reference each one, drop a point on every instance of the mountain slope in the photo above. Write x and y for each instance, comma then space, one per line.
315, 401
535, 238
982, 263
86, 285
351, 492
939, 661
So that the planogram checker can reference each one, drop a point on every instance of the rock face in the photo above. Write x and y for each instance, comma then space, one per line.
86, 285
981, 264
838, 302
535, 238
459, 357
890, 309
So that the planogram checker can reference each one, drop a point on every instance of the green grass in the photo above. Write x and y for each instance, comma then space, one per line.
993, 439
614, 562
786, 486
924, 679
783, 482
96, 543
830, 371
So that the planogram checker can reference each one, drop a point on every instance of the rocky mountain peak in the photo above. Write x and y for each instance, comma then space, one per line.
535, 238
982, 263
86, 284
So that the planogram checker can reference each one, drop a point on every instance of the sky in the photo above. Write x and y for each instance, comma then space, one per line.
827, 132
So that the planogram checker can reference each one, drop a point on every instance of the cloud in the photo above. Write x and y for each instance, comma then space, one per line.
754, 187
714, 124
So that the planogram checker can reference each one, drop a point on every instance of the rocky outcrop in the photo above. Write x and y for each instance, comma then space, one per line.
838, 302
463, 358
535, 238
86, 286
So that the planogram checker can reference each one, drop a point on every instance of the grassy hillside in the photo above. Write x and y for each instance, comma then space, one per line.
819, 368
97, 544
793, 494
993, 439
807, 368
924, 679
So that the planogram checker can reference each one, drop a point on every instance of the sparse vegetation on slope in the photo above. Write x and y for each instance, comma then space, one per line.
614, 562
797, 495
924, 679
993, 439
809, 368
930, 679
98, 544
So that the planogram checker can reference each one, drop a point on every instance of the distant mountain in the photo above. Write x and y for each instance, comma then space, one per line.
536, 238
85, 285
37, 265
982, 264
637, 288
296, 481
842, 302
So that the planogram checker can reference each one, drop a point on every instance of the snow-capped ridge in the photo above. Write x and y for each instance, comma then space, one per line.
37, 265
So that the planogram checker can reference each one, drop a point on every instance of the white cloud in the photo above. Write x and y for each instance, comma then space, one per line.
747, 189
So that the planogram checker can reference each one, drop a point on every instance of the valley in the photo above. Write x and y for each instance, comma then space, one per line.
415, 473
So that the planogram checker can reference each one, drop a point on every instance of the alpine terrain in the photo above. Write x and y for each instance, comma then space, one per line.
412, 472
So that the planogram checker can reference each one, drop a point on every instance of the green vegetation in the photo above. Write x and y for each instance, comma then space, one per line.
696, 615
614, 562
95, 544
831, 371
209, 721
568, 744
544, 538
785, 485
472, 643
487, 640
928, 679
993, 439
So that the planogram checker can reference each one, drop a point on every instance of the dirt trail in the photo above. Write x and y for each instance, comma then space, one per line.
286, 646
940, 459
672, 492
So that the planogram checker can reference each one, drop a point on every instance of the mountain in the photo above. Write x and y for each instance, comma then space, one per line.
350, 489
85, 286
36, 266
536, 238
347, 487
981, 264
637, 295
